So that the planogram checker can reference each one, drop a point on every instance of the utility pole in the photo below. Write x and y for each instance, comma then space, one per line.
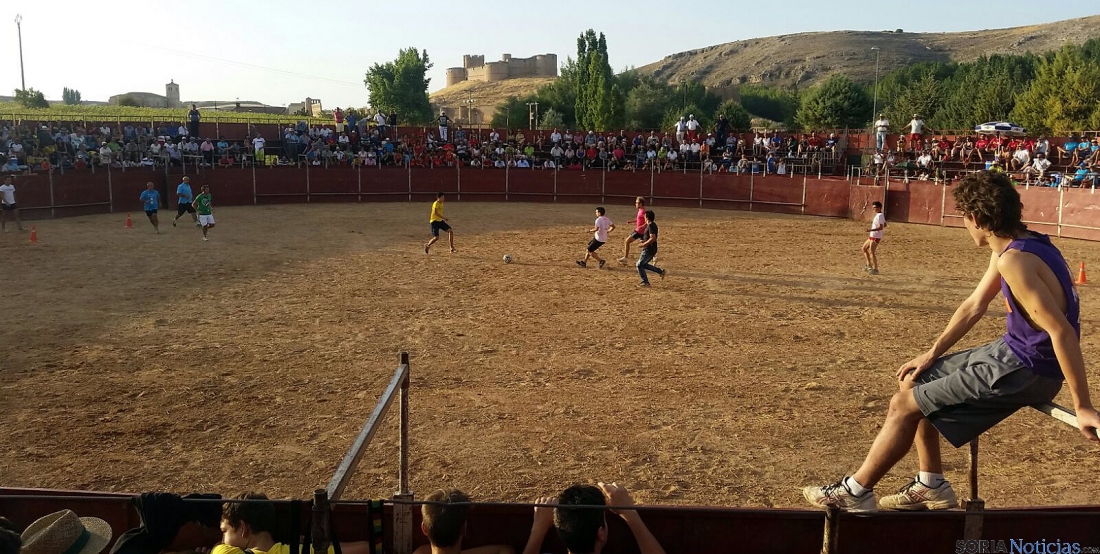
19, 29
874, 110
532, 114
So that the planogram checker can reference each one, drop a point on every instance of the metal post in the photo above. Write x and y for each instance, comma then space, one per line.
110, 189
1061, 208
831, 536
19, 29
874, 109
404, 405
320, 529
53, 210
307, 184
402, 512
972, 529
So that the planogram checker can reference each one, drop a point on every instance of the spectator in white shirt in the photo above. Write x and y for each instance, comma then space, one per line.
882, 126
1020, 158
1038, 167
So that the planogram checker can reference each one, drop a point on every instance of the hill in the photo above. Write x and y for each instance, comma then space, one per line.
486, 96
805, 58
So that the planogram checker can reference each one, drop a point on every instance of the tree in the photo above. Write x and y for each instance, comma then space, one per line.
835, 103
647, 103
921, 97
31, 98
595, 100
132, 102
737, 117
401, 86
1064, 96
771, 103
71, 96
552, 119
512, 113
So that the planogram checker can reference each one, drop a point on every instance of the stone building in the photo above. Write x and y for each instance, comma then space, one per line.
475, 68
171, 98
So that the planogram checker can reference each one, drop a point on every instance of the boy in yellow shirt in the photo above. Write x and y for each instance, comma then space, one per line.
247, 526
439, 223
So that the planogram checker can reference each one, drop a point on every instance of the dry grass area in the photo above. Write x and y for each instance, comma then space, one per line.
805, 58
132, 361
487, 95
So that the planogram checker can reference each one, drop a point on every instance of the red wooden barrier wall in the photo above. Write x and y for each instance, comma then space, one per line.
1073, 213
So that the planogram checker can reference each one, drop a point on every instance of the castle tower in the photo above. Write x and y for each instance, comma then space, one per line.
172, 93
456, 75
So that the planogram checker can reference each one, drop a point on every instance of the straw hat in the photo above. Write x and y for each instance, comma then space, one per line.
65, 533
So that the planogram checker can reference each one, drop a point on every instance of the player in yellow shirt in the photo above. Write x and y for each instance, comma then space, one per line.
247, 526
439, 223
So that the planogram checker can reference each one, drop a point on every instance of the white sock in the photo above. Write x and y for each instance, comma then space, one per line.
854, 487
930, 480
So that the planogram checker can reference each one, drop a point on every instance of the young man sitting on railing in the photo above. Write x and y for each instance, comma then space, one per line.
964, 394
248, 527
444, 523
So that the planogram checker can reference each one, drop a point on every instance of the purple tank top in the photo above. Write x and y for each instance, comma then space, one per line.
1031, 346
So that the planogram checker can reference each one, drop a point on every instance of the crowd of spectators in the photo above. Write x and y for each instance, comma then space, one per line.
921, 155
75, 146
370, 142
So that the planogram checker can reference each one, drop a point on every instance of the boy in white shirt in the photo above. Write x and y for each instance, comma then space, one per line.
601, 228
7, 204
870, 246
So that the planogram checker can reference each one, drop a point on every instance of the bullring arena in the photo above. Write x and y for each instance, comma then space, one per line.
135, 361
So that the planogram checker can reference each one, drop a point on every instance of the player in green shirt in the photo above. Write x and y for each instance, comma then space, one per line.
204, 205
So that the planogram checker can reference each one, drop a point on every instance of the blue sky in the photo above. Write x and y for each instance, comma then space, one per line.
279, 51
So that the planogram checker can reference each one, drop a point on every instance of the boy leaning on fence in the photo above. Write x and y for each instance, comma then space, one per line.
964, 394
444, 523
249, 526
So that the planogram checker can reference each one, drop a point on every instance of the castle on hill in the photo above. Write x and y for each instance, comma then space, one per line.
475, 68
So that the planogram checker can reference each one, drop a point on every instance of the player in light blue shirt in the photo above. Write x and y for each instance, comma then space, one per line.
150, 197
185, 198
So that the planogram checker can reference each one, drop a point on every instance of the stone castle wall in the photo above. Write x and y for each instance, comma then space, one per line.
475, 68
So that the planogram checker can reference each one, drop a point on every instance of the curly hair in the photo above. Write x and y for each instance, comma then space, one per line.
991, 200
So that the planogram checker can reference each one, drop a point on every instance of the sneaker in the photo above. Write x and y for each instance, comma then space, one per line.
663, 273
205, 238
197, 224
425, 249
173, 223
643, 284
622, 261
581, 264
918, 496
602, 262
873, 272
867, 268
837, 496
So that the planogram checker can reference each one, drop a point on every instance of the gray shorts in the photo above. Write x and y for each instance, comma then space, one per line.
966, 393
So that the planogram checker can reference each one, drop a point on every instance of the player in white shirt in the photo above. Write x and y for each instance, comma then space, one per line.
7, 204
870, 246
258, 146
602, 227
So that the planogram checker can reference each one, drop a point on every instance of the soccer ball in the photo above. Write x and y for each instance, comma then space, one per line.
507, 258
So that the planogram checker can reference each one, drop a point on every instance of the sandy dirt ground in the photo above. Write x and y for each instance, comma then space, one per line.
131, 361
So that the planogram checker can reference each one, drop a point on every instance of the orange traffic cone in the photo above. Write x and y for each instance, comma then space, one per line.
34, 234
129, 222
1081, 279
